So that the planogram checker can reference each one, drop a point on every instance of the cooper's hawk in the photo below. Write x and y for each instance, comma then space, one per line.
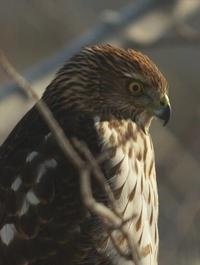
106, 97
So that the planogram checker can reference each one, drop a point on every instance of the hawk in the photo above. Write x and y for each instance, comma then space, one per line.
106, 97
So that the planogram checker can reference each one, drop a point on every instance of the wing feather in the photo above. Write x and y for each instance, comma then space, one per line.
42, 215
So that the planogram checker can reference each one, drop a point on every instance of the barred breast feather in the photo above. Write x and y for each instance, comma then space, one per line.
134, 185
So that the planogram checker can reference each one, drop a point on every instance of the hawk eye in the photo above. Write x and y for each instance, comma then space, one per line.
136, 88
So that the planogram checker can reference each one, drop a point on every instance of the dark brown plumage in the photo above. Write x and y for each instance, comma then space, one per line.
42, 217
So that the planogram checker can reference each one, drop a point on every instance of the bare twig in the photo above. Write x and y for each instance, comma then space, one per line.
115, 222
97, 172
56, 130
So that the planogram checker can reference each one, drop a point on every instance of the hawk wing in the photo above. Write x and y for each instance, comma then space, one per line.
42, 218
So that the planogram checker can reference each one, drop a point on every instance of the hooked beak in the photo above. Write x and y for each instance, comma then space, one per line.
164, 111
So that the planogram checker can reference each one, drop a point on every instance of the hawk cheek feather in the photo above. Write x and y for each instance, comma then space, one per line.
134, 186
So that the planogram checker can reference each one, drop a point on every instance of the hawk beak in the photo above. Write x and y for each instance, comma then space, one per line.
164, 111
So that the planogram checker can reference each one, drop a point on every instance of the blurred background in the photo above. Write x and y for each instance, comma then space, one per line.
38, 36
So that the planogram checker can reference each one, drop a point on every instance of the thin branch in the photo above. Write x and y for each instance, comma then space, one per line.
55, 128
114, 221
81, 146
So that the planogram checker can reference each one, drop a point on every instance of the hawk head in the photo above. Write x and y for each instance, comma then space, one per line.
113, 82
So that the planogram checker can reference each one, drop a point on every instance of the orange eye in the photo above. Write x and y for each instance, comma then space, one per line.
135, 88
